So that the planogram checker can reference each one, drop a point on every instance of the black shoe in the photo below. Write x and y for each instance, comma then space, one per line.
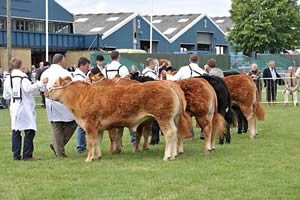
52, 148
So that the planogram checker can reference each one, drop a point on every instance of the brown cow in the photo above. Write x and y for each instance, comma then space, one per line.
202, 104
244, 93
99, 108
184, 123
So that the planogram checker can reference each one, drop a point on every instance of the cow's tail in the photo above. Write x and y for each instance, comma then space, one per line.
259, 111
185, 125
219, 124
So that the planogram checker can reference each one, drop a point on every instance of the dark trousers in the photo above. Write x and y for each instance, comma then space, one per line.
17, 144
62, 132
271, 93
43, 98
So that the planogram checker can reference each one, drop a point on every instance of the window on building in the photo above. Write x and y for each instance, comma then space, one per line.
19, 25
187, 47
2, 23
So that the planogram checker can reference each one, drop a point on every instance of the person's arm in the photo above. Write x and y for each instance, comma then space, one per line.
30, 88
7, 89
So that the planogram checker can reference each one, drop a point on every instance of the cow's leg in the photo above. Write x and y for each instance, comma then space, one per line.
245, 124
146, 133
118, 146
139, 133
98, 152
169, 129
228, 134
180, 144
206, 125
115, 141
92, 134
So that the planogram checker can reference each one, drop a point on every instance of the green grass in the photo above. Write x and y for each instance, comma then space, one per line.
267, 168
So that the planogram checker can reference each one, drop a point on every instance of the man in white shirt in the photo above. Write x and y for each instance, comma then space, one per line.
188, 71
80, 75
62, 121
150, 69
115, 67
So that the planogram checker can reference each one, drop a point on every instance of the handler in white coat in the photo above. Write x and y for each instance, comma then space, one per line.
18, 88
188, 71
61, 119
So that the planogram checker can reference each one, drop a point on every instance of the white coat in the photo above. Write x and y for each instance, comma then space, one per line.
188, 71
22, 111
56, 111
78, 75
150, 73
115, 68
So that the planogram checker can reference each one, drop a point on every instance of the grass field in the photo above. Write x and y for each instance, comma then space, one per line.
267, 168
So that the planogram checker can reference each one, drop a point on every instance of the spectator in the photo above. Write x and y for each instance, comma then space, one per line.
100, 62
62, 121
291, 86
271, 76
115, 67
134, 73
18, 88
80, 74
255, 74
38, 75
150, 69
212, 69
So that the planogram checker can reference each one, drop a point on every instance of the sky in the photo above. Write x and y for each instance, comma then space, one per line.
210, 7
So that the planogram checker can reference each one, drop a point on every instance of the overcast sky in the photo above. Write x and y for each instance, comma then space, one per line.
209, 7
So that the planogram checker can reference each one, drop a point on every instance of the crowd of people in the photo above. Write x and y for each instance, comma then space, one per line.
19, 90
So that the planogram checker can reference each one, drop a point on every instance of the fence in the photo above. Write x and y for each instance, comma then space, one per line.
274, 91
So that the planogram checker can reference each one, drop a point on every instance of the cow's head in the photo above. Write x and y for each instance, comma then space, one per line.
93, 78
56, 91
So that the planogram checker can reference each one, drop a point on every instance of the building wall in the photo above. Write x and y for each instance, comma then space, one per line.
36, 9
121, 39
189, 37
23, 54
72, 57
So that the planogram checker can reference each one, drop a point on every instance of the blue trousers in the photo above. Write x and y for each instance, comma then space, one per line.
81, 140
132, 136
17, 144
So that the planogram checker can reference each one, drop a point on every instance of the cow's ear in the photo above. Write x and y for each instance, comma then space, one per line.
90, 77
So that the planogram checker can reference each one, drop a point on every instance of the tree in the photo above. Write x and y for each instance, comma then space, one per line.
265, 25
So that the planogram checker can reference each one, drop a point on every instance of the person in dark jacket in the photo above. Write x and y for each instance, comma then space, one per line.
271, 79
255, 74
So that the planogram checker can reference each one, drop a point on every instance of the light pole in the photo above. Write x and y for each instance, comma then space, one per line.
47, 34
8, 33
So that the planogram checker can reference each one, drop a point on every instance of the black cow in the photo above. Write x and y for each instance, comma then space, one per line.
224, 103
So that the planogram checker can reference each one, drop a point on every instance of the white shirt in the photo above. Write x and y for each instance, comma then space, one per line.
188, 71
112, 69
56, 111
22, 111
273, 73
78, 75
150, 73
298, 72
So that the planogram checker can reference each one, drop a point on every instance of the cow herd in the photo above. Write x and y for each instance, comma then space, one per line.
100, 104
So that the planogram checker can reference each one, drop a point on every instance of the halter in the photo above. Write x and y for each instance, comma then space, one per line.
98, 80
118, 80
59, 87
